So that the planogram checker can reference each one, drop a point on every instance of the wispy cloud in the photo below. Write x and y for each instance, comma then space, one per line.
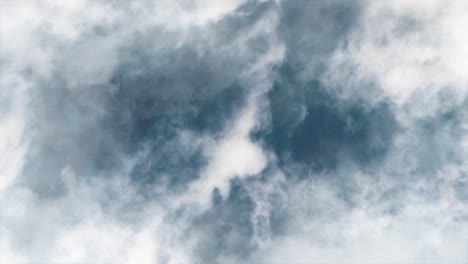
234, 131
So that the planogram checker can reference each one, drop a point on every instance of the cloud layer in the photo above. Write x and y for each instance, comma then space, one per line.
240, 131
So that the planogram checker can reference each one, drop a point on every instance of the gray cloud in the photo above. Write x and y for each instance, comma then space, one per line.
242, 131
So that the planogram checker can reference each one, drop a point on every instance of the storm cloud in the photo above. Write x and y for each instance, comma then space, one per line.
237, 131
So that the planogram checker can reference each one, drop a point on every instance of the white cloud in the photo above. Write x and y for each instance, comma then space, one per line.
235, 155
13, 144
407, 51
78, 228
324, 229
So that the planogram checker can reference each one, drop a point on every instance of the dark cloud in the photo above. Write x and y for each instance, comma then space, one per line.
313, 29
135, 111
225, 231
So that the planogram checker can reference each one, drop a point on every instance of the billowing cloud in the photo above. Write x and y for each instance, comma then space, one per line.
233, 131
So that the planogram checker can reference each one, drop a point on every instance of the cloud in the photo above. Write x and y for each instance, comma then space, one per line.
376, 226
233, 156
408, 51
241, 131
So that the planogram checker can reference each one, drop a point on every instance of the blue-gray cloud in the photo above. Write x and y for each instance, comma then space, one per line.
242, 131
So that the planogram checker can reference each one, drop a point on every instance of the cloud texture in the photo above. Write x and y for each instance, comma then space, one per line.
236, 131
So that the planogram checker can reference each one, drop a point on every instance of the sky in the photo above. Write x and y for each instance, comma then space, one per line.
234, 131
